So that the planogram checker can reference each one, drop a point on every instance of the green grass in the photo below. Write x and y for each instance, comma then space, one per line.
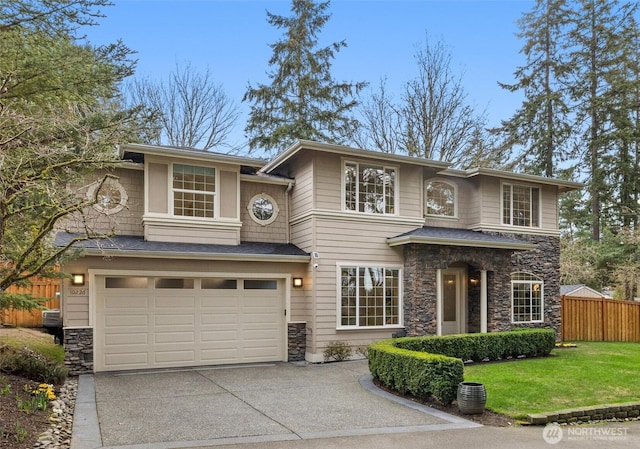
594, 373
50, 350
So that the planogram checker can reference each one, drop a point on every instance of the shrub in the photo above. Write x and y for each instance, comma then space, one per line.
28, 363
338, 351
363, 351
489, 346
433, 366
419, 373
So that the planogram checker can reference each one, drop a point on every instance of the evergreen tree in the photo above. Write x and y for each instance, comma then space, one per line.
541, 129
598, 44
624, 115
59, 118
302, 101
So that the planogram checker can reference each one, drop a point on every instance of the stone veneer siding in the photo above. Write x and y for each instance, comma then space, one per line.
422, 261
78, 350
297, 341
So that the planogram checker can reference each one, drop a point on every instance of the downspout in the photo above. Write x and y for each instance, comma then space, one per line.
287, 208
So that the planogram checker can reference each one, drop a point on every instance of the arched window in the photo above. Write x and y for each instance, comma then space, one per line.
527, 298
440, 199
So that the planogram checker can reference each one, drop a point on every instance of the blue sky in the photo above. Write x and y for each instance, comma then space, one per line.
232, 38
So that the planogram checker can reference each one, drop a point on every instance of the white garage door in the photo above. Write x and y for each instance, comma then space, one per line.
147, 322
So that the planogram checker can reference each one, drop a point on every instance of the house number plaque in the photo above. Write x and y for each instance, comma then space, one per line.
78, 291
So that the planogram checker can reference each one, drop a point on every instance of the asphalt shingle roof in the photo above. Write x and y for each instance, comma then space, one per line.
451, 236
132, 244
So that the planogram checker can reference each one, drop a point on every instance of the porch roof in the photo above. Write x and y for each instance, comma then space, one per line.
429, 235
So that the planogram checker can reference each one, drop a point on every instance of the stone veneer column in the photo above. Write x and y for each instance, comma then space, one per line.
297, 341
78, 350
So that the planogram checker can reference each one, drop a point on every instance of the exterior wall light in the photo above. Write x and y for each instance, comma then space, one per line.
77, 279
297, 282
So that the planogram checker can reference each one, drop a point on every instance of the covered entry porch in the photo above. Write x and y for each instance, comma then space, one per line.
457, 281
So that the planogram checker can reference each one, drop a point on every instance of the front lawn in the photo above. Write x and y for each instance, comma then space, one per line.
593, 373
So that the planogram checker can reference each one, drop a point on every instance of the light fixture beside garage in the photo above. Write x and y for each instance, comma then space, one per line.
297, 282
77, 279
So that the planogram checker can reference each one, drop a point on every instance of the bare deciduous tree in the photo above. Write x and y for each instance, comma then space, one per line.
433, 120
440, 124
191, 110
380, 126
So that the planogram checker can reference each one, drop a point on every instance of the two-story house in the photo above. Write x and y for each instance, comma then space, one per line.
218, 259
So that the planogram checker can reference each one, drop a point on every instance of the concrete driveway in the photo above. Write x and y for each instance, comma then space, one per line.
243, 404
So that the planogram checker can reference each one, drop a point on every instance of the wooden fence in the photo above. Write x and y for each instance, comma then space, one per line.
599, 319
39, 288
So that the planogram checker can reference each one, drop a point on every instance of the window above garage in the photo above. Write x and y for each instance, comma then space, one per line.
191, 202
193, 191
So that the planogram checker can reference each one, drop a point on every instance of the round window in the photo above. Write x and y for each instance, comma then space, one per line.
110, 196
263, 209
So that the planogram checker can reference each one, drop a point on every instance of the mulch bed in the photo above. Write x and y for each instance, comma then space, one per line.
18, 429
487, 418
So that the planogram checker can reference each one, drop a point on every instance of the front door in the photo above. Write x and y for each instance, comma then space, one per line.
452, 311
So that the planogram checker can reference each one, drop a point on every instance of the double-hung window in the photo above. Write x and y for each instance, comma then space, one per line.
194, 191
369, 188
369, 296
440, 199
520, 205
527, 293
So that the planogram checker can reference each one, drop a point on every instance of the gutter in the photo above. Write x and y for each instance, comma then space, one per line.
398, 241
198, 256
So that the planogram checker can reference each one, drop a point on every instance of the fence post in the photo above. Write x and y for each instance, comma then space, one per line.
562, 315
605, 327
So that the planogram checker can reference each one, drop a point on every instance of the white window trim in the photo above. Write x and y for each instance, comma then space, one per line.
357, 265
216, 205
519, 184
344, 188
538, 280
455, 198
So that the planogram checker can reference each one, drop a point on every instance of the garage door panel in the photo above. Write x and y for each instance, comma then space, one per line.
174, 356
174, 337
172, 302
127, 302
153, 328
219, 301
219, 336
126, 339
122, 361
219, 319
162, 319
211, 357
261, 318
117, 321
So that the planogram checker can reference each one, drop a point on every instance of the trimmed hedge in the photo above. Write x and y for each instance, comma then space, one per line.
485, 347
433, 366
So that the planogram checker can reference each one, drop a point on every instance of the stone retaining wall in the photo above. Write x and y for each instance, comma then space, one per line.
630, 410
